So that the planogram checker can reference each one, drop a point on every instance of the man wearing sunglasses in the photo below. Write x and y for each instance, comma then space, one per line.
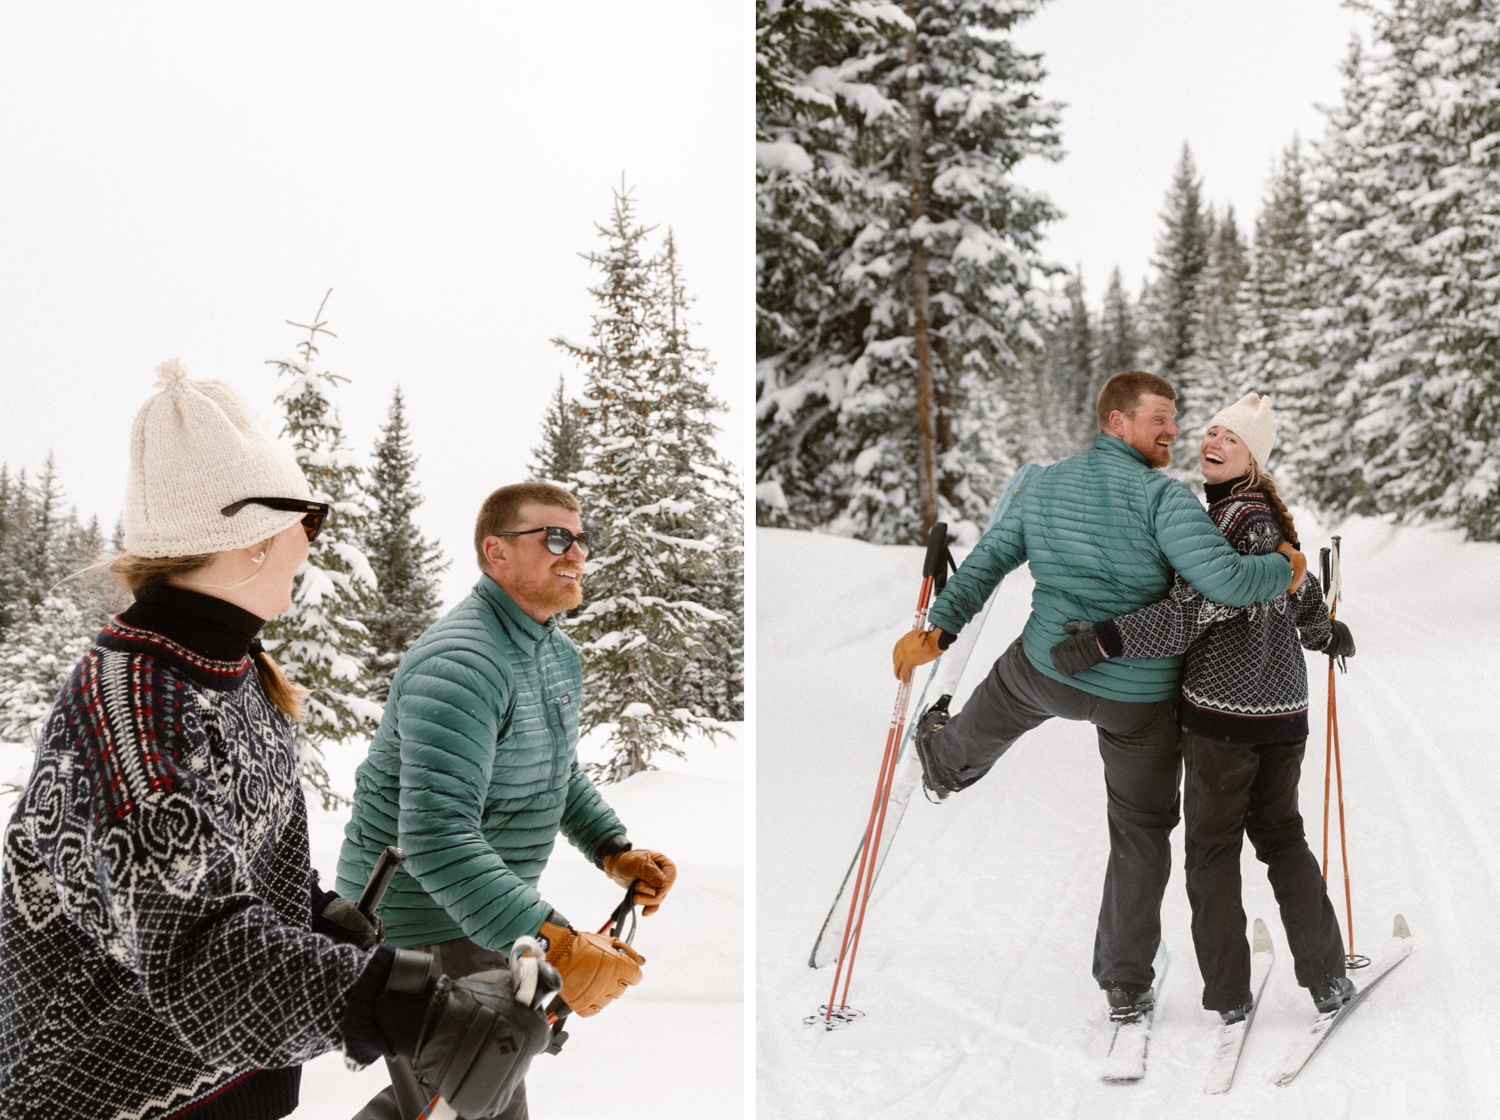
474, 772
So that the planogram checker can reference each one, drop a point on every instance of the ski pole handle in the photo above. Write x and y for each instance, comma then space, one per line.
935, 563
380, 878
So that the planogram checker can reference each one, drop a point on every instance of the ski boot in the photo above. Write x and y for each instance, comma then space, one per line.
933, 720
1237, 1014
1332, 993
1129, 1005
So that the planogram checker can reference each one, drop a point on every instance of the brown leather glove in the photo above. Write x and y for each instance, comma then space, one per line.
652, 873
595, 969
915, 647
1299, 566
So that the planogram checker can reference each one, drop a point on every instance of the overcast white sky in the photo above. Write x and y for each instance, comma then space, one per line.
181, 178
1234, 79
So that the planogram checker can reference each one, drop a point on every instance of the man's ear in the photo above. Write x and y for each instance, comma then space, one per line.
496, 551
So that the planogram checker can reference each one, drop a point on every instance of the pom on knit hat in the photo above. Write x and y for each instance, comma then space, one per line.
1252, 420
196, 447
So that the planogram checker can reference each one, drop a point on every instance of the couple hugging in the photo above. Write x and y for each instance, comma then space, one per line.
1179, 635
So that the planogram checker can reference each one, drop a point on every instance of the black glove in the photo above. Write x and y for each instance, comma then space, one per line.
468, 1039
1073, 655
340, 919
1340, 642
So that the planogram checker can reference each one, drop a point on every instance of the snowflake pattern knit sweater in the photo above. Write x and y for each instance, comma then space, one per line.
155, 953
1244, 675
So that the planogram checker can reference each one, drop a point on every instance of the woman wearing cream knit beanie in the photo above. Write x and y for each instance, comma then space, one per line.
156, 881
196, 447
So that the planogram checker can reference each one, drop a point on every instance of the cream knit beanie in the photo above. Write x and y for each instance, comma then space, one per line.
1251, 419
195, 447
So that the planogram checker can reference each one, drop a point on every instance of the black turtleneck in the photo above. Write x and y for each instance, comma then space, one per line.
204, 624
1218, 491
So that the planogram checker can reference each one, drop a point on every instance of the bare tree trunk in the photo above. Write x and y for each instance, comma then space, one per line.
926, 459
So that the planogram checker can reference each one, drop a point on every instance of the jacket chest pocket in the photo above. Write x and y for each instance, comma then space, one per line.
562, 714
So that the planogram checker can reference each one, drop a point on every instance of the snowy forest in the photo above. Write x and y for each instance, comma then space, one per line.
661, 628
914, 346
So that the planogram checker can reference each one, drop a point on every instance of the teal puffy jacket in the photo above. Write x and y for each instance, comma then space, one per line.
1103, 534
473, 772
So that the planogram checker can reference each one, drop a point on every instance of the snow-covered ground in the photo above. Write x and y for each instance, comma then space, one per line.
974, 966
673, 1046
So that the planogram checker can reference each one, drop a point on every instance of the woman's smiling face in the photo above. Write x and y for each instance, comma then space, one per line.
1223, 455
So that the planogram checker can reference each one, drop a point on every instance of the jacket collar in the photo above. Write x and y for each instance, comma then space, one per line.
520, 625
1105, 441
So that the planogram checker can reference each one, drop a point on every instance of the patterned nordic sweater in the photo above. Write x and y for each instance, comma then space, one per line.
1244, 677
155, 955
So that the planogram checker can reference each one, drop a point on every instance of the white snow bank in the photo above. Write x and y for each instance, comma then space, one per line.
974, 971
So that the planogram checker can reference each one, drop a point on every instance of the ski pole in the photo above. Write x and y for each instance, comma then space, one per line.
1333, 588
934, 572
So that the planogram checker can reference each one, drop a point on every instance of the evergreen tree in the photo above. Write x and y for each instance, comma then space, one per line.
639, 627
943, 250
1181, 256
818, 118
322, 642
1274, 351
406, 564
1209, 377
561, 452
1119, 345
39, 653
1071, 376
711, 683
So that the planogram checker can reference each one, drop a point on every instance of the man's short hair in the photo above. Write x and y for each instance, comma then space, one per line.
501, 511
1123, 391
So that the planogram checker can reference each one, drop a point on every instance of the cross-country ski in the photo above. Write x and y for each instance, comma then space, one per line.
1230, 1042
1126, 1060
1391, 955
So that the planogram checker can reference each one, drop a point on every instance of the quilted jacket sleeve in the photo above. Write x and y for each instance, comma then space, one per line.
449, 716
162, 888
1195, 547
587, 820
999, 552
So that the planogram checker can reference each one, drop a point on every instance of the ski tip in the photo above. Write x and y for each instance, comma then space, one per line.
1261, 941
1399, 928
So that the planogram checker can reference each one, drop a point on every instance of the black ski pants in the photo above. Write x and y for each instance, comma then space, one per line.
405, 1097
1236, 790
1142, 768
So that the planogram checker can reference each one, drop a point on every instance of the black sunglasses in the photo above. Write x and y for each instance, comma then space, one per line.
313, 513
559, 540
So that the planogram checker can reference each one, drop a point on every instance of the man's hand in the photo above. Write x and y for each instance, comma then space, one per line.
916, 647
342, 921
596, 969
1079, 651
652, 873
1299, 566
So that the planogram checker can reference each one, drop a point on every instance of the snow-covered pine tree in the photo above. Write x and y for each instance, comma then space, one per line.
1428, 387
1181, 256
711, 682
638, 628
1071, 375
406, 564
1333, 338
1118, 338
321, 643
1208, 377
560, 454
51, 617
845, 405
818, 118
1274, 355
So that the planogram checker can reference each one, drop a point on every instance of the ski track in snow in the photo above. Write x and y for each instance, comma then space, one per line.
973, 968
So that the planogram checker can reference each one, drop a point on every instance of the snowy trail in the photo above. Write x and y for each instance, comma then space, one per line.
974, 967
